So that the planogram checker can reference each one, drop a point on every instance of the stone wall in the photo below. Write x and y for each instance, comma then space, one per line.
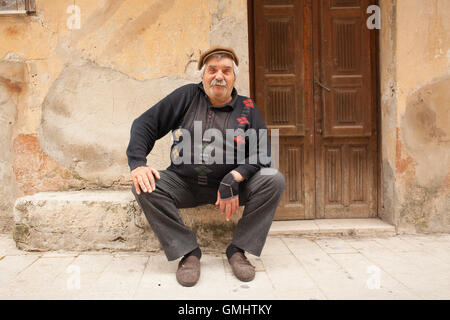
68, 96
415, 95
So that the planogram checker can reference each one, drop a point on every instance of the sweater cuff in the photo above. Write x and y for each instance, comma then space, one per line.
136, 164
245, 170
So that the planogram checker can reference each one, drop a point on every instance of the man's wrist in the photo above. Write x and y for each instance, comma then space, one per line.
229, 187
237, 176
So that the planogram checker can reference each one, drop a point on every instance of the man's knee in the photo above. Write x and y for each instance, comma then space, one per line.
148, 197
273, 179
133, 190
276, 180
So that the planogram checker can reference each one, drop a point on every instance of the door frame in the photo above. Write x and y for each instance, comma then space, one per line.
375, 57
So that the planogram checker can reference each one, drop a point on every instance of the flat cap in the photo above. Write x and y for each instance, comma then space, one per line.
217, 49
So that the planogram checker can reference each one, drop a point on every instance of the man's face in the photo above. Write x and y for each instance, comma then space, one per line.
218, 80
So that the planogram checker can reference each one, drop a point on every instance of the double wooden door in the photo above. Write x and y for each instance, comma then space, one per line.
314, 79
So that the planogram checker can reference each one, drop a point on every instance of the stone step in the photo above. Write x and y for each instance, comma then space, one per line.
112, 220
332, 227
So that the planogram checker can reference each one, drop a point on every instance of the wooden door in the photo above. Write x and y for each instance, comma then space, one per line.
284, 94
345, 111
313, 80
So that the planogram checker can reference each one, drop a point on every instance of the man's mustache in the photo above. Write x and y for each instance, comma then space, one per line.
216, 82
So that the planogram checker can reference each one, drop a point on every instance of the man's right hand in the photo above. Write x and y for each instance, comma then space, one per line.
143, 179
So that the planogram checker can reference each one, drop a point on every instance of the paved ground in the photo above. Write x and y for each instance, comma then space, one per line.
382, 267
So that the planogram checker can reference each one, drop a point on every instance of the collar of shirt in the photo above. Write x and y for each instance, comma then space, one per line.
226, 107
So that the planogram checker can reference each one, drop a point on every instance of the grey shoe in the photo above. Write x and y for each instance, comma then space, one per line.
188, 271
242, 268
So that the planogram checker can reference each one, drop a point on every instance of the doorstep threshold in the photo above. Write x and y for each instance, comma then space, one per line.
373, 226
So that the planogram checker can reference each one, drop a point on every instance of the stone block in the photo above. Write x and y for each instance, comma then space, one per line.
105, 220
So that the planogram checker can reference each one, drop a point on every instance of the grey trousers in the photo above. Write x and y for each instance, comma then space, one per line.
260, 195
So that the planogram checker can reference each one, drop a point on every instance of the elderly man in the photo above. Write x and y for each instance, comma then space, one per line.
189, 110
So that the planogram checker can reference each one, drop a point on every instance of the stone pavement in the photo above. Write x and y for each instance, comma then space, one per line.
319, 267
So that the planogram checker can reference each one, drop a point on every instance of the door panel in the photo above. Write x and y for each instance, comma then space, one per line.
346, 181
283, 92
346, 142
345, 63
278, 58
294, 202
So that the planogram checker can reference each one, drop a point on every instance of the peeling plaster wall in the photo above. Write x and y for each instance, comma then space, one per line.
86, 119
12, 79
415, 83
65, 117
388, 87
423, 148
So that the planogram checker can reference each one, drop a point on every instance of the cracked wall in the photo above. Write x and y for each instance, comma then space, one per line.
12, 80
68, 96
388, 88
415, 106
423, 164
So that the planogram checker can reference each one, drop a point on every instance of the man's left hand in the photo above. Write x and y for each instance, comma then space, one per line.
229, 206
